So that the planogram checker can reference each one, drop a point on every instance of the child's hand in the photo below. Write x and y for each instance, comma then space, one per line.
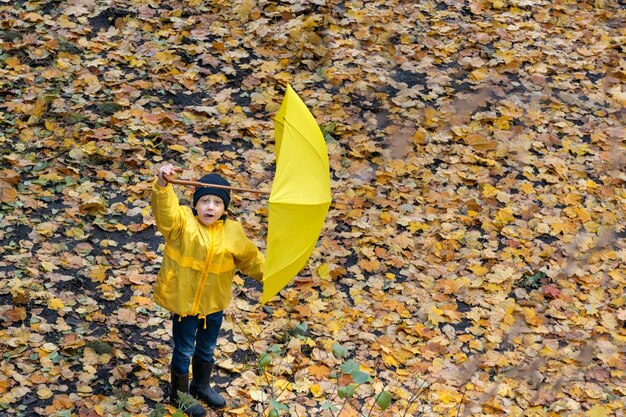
167, 169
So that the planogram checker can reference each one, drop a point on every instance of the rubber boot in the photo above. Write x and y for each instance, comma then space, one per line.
180, 382
201, 384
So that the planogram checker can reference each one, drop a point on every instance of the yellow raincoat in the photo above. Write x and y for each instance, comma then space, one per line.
199, 262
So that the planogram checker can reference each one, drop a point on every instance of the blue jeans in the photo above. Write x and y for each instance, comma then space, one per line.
192, 337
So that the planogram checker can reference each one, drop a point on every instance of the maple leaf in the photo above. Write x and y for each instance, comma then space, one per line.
551, 291
319, 372
7, 192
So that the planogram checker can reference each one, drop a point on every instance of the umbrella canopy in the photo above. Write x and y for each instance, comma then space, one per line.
300, 195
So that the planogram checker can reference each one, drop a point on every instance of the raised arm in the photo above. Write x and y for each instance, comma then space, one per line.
167, 211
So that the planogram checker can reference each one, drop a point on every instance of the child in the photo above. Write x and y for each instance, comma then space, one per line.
202, 249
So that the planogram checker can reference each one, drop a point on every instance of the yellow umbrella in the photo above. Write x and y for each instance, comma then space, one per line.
300, 195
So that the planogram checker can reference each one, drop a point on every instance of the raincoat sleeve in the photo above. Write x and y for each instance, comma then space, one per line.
248, 258
169, 215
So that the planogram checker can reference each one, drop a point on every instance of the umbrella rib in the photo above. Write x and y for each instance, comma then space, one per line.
307, 141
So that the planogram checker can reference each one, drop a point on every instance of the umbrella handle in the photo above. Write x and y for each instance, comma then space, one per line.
202, 184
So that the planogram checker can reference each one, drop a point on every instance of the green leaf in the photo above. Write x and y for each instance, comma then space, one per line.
278, 406
383, 400
532, 282
339, 351
301, 329
265, 359
159, 411
327, 405
359, 377
349, 366
108, 108
347, 391
275, 349
327, 131
75, 117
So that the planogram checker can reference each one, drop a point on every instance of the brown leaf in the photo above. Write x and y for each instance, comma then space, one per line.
8, 193
551, 291
480, 142
15, 314
319, 372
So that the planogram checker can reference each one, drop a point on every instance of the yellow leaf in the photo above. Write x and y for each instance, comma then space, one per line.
479, 74
165, 57
93, 204
531, 316
478, 269
582, 214
386, 218
500, 274
324, 271
178, 148
506, 56
48, 266
335, 326
66, 23
108, 242
98, 409
435, 315
448, 396
476, 344
244, 10
547, 352
505, 216
489, 190
92, 84
527, 188
284, 77
502, 123
391, 361
46, 229
316, 390
135, 400
462, 282
84, 389
39, 107
572, 199
417, 226
98, 273
44, 393
55, 304
430, 116
134, 62
598, 411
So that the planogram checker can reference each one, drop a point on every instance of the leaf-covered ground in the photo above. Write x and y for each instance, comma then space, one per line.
474, 248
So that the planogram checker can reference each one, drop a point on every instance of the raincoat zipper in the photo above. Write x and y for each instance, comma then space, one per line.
205, 273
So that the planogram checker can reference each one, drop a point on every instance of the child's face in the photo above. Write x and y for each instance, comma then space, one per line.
210, 208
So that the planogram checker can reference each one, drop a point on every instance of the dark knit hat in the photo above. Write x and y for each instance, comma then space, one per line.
222, 193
